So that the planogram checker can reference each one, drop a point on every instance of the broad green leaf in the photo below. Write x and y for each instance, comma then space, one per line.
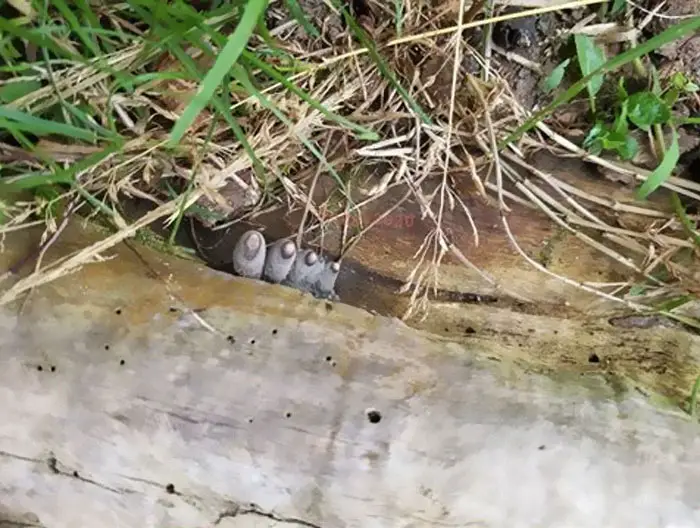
554, 79
645, 109
663, 171
601, 137
590, 58
224, 62
629, 149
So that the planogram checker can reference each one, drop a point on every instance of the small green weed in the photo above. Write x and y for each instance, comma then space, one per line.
642, 109
649, 109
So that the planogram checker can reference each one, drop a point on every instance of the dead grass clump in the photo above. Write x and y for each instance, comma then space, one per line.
428, 99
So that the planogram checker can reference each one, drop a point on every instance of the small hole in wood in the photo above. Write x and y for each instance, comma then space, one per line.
118, 311
329, 358
106, 347
170, 488
541, 448
122, 362
172, 309
250, 420
230, 339
39, 368
53, 368
593, 358
252, 341
274, 331
469, 330
288, 414
75, 474
374, 416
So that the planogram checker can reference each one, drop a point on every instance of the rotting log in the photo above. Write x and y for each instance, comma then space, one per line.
558, 329
150, 391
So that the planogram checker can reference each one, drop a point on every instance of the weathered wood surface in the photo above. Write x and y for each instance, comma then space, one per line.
537, 333
385, 256
251, 401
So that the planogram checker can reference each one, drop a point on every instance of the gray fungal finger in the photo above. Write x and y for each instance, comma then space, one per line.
249, 255
279, 261
305, 271
325, 284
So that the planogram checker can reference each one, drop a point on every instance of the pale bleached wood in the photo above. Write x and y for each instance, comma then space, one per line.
463, 440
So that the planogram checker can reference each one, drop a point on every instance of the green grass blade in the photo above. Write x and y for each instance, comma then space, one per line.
241, 76
226, 59
77, 28
169, 38
63, 176
663, 171
669, 35
686, 222
298, 13
365, 133
42, 127
382, 65
38, 39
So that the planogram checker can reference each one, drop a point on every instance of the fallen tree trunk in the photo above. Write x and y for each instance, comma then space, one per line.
150, 391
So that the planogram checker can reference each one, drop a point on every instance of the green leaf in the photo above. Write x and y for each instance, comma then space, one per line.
655, 80
620, 125
686, 222
645, 109
362, 132
554, 79
224, 62
298, 13
674, 32
663, 171
64, 176
618, 6
601, 137
242, 76
590, 58
622, 94
382, 65
41, 127
14, 90
687, 121
629, 148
